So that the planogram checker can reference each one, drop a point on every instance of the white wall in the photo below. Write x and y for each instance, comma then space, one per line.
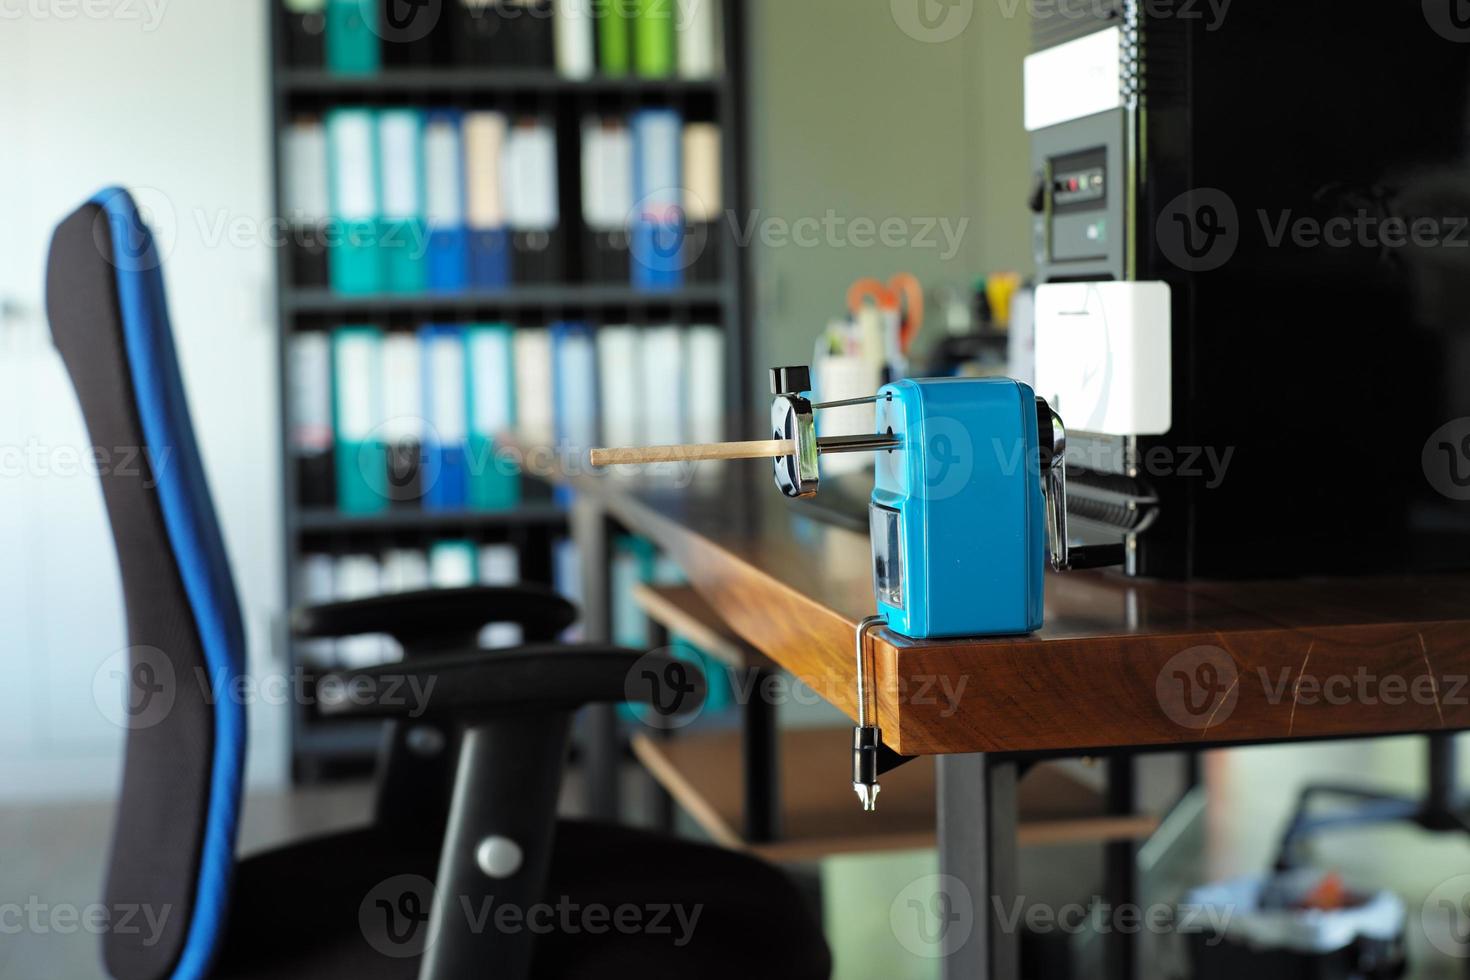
170, 98
853, 111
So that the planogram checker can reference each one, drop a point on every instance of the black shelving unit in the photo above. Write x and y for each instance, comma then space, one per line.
535, 526
574, 298
415, 82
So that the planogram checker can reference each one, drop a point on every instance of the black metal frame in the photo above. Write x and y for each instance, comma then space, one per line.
536, 525
977, 807
600, 733
1442, 809
508, 778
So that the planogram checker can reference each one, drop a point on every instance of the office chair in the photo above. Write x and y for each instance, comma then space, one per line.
417, 893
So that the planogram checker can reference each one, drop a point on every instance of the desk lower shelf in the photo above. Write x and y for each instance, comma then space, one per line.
821, 816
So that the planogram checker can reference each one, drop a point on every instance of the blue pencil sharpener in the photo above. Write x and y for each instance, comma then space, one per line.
969, 506
968, 498
957, 514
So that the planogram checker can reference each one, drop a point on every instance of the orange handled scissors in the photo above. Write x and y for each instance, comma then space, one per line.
901, 297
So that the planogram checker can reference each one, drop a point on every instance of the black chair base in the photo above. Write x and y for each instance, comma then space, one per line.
312, 910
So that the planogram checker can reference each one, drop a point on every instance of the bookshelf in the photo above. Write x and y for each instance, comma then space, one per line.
536, 526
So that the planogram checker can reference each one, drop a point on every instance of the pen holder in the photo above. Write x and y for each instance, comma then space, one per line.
840, 377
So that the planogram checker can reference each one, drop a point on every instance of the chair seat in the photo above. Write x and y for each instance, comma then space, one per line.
351, 907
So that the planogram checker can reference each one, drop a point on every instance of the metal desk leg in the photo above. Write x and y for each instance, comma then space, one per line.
660, 804
602, 736
1120, 864
760, 746
977, 851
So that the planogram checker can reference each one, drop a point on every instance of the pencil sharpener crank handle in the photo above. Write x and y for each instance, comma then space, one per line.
1052, 437
1052, 445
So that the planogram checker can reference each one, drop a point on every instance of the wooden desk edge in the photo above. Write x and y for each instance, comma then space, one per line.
1064, 693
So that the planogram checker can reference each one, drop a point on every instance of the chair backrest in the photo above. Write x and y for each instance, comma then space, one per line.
174, 836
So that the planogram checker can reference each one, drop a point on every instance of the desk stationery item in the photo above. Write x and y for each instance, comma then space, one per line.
310, 367
607, 198
306, 27
354, 262
528, 34
615, 40
698, 28
401, 158
502, 33
446, 408
447, 241
484, 135
968, 500
573, 36
653, 38
353, 45
493, 483
658, 187
704, 245
402, 425
848, 377
361, 456
306, 198
888, 316
531, 201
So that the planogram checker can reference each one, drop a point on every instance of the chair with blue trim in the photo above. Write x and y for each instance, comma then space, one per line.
465, 826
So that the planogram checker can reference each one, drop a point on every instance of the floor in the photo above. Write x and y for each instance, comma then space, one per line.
53, 856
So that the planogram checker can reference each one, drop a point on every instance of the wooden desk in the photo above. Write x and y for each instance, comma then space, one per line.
1120, 662
1120, 665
